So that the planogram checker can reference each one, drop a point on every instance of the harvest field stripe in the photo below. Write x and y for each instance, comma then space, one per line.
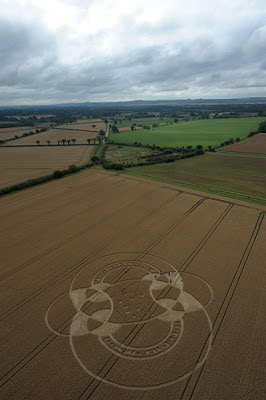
80, 263
195, 252
227, 300
174, 225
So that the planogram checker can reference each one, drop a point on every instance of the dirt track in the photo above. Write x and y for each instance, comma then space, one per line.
70, 329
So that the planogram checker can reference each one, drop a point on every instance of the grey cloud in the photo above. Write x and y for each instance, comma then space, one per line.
30, 68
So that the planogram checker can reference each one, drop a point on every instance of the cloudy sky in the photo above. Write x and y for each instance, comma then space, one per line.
54, 51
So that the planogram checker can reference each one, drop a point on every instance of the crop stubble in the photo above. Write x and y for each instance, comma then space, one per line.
202, 237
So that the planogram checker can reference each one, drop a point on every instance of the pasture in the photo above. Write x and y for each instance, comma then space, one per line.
204, 132
119, 287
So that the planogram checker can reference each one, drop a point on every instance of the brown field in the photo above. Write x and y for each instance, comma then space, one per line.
54, 135
117, 287
20, 164
8, 133
128, 128
255, 145
85, 126
88, 121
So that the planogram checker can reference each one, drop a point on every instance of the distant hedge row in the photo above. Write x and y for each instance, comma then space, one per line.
33, 182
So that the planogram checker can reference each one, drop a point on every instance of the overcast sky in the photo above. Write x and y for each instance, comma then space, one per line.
54, 51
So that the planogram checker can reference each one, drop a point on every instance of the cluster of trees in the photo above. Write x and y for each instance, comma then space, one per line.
163, 155
262, 127
114, 129
230, 141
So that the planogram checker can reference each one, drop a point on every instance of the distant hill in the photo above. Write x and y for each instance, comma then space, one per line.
141, 103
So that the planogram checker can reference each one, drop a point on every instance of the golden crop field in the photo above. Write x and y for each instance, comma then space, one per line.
53, 135
20, 164
8, 133
119, 287
85, 126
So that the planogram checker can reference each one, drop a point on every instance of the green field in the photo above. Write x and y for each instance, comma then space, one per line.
205, 132
228, 175
141, 121
126, 154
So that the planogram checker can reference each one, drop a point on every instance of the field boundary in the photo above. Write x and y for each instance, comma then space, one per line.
238, 153
204, 189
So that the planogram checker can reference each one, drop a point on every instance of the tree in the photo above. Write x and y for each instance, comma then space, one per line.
73, 140
38, 142
58, 142
48, 142
68, 141
89, 141
94, 126
115, 129
99, 139
199, 147
63, 141
102, 133
95, 159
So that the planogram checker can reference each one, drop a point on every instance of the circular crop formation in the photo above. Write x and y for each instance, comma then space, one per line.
135, 314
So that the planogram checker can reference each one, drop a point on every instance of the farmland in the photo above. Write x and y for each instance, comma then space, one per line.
118, 287
55, 135
229, 175
8, 133
204, 132
254, 145
126, 154
85, 126
20, 164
